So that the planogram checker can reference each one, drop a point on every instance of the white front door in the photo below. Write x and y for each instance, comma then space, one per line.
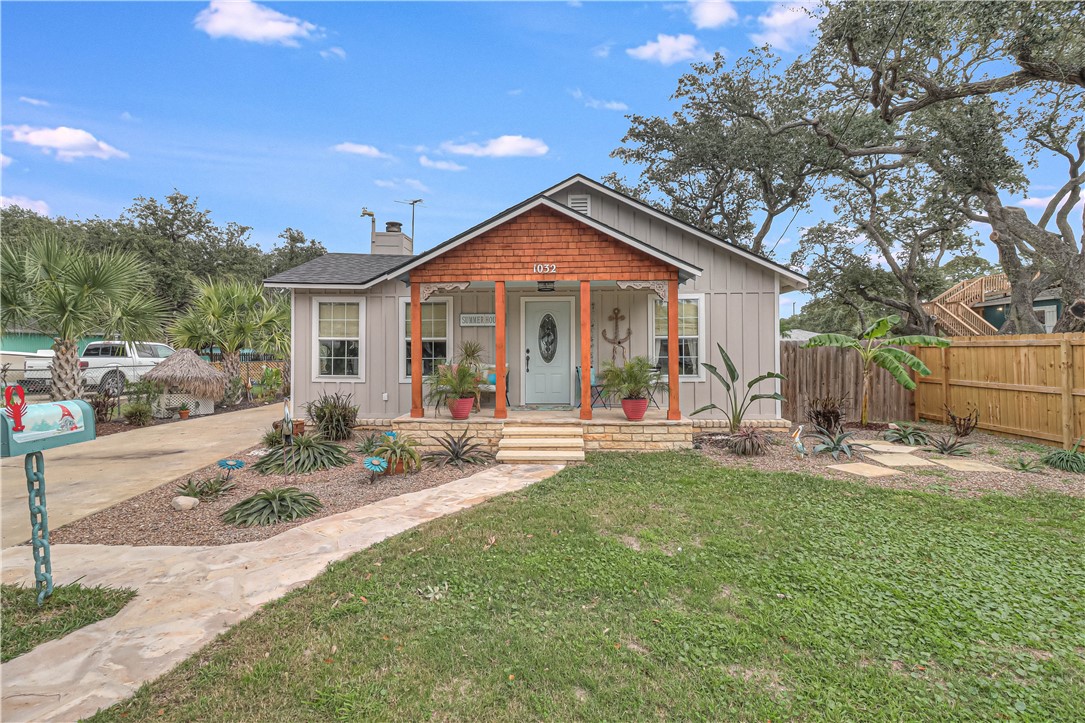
547, 351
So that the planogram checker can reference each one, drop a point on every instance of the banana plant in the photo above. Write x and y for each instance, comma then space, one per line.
877, 349
737, 406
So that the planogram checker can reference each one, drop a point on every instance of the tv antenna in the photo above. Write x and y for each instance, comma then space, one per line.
412, 203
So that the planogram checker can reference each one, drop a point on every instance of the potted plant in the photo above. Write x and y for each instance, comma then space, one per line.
457, 386
400, 452
183, 411
633, 383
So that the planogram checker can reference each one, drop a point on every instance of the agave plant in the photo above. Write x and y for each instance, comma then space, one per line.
1027, 465
397, 450
1068, 460
835, 443
270, 506
951, 446
368, 443
309, 453
748, 441
908, 434
459, 451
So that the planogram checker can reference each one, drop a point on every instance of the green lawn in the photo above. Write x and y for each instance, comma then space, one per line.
751, 597
69, 608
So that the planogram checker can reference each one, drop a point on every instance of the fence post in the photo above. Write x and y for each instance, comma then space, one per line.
918, 386
1067, 392
945, 385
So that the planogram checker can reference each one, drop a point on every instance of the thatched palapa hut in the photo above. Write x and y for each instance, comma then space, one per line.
188, 379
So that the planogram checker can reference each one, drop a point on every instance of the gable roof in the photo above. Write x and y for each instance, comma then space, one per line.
337, 269
686, 270
799, 281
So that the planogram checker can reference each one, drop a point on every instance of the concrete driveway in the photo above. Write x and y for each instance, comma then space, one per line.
87, 477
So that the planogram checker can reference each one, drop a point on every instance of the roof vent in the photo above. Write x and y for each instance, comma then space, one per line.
393, 227
580, 202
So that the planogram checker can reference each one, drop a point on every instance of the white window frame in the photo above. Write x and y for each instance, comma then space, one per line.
404, 302
315, 302
700, 299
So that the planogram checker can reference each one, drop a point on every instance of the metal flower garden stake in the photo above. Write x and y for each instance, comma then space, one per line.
29, 429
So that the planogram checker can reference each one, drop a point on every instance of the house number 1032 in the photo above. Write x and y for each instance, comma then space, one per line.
545, 268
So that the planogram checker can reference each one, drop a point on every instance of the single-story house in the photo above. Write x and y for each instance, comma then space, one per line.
571, 278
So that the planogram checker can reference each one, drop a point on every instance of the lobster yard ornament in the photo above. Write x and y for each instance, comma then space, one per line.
617, 342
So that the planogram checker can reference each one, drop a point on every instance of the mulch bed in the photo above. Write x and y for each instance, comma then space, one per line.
998, 451
149, 519
104, 429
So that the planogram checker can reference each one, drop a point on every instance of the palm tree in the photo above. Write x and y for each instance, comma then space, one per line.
875, 349
232, 315
61, 289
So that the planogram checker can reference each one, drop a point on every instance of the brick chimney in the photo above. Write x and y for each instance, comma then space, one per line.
392, 240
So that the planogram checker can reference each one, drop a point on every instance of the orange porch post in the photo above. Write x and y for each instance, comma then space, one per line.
500, 412
585, 350
417, 408
673, 411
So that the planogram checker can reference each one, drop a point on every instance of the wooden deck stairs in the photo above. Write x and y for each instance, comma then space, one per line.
953, 310
543, 442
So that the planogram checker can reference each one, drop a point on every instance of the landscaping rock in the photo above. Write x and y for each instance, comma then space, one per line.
183, 503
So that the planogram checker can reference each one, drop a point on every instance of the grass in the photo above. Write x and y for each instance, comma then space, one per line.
70, 607
662, 586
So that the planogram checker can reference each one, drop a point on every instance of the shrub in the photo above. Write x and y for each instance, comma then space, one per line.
748, 441
333, 415
272, 437
1026, 465
836, 444
271, 506
138, 414
827, 412
105, 405
950, 446
459, 451
368, 443
395, 449
1068, 460
737, 406
144, 391
309, 453
207, 489
963, 426
908, 434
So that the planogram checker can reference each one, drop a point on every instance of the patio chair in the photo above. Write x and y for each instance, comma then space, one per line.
596, 390
491, 382
657, 374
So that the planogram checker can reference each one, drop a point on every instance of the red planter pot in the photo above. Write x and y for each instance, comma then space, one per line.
634, 409
461, 408
398, 469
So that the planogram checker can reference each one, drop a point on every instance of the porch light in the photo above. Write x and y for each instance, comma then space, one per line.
546, 287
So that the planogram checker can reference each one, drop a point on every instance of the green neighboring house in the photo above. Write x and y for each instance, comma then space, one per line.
28, 341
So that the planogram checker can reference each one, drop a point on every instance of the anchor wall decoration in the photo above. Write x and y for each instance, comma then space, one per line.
617, 342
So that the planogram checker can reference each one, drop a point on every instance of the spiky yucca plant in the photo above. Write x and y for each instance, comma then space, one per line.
309, 453
748, 441
459, 451
270, 506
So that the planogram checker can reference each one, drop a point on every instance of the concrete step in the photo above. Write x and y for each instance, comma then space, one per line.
539, 456
541, 443
543, 430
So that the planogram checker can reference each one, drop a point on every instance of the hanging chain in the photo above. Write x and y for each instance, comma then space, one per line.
39, 524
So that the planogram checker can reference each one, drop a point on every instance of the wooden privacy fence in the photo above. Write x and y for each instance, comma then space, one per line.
826, 371
1027, 385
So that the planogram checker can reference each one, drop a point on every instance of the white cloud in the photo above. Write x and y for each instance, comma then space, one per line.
67, 143
1040, 202
670, 49
602, 50
5, 161
515, 91
32, 101
399, 184
427, 162
501, 147
711, 13
591, 102
246, 20
28, 203
360, 149
786, 26
126, 116
334, 52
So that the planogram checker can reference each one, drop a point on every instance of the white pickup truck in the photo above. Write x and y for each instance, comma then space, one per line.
107, 365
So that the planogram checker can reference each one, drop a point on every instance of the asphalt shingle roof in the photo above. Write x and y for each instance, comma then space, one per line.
340, 269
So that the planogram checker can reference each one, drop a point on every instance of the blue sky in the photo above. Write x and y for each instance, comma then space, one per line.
300, 114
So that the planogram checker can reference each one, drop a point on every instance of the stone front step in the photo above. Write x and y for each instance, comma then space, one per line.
539, 456
544, 430
542, 443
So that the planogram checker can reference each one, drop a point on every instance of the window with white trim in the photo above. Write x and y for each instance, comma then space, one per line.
436, 335
690, 335
340, 326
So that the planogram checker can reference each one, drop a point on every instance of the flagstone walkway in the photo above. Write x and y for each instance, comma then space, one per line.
188, 595
891, 457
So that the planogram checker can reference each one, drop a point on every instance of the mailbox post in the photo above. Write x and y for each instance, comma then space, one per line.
29, 429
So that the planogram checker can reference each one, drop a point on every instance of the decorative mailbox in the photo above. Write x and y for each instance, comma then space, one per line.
26, 428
